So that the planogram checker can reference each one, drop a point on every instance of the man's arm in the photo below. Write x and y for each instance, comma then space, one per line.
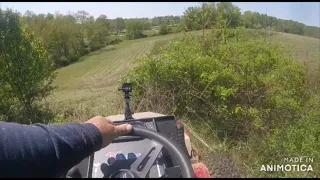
50, 150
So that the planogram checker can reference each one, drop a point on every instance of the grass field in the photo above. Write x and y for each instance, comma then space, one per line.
90, 85
303, 49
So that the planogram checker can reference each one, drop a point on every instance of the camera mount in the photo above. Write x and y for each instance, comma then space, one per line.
127, 89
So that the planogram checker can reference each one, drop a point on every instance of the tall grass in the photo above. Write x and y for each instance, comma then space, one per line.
247, 98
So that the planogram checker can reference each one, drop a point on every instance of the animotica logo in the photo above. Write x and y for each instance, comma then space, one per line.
301, 164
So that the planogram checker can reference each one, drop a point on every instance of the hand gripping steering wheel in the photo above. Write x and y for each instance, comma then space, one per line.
158, 142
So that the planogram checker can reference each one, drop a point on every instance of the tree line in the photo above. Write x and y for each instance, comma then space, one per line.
68, 37
207, 15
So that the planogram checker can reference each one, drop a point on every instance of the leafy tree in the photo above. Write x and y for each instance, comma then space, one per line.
208, 15
102, 28
255, 20
163, 29
82, 18
202, 17
104, 23
49, 16
311, 31
26, 71
146, 25
229, 13
68, 37
168, 20
247, 19
119, 25
134, 29
192, 17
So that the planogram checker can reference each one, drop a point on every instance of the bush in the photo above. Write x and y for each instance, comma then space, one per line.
132, 36
154, 34
176, 29
295, 140
240, 87
114, 41
63, 61
74, 57
163, 29
151, 33
94, 45
134, 29
244, 92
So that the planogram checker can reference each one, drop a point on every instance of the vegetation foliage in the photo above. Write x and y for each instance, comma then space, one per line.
244, 89
231, 84
69, 37
26, 72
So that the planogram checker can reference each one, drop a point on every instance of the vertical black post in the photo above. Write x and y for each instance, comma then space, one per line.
126, 89
128, 112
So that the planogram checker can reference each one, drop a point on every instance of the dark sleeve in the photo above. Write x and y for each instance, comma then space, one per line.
45, 150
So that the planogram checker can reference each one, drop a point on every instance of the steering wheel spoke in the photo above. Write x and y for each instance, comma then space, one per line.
143, 164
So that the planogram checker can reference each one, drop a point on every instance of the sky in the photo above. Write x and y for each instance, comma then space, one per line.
304, 12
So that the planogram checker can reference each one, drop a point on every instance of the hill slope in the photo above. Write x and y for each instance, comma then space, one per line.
91, 83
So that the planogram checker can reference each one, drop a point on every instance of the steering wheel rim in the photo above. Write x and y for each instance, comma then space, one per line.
171, 146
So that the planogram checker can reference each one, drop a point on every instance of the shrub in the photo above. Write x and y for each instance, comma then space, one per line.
63, 61
295, 140
163, 29
240, 86
114, 41
134, 29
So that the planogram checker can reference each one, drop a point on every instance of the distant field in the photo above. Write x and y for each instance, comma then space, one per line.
303, 49
91, 83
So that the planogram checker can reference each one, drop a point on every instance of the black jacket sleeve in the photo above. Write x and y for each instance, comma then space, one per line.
45, 150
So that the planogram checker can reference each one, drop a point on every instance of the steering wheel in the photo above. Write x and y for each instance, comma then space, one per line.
150, 156
158, 142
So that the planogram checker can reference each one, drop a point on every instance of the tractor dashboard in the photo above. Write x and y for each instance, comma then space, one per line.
111, 161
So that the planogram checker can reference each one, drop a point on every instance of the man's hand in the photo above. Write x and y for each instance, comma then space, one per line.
108, 130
